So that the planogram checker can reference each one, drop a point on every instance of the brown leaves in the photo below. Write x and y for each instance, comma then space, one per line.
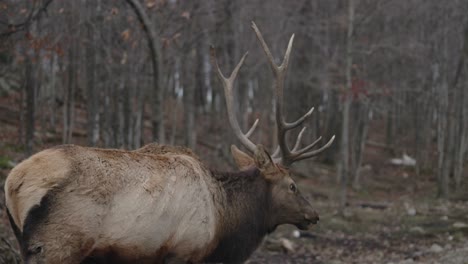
125, 34
155, 3
166, 42
186, 15
43, 44
114, 11
150, 3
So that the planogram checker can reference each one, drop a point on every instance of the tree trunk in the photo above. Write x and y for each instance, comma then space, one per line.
189, 102
344, 161
461, 113
91, 89
359, 141
444, 127
53, 96
69, 104
30, 107
157, 117
138, 116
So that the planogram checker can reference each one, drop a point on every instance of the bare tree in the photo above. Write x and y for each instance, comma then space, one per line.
155, 49
344, 168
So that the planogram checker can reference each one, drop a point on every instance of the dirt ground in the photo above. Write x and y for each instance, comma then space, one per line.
371, 236
394, 218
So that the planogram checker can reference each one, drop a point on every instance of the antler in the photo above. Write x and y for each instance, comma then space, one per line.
283, 154
228, 84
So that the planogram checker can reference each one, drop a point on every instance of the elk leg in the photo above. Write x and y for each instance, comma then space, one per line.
57, 247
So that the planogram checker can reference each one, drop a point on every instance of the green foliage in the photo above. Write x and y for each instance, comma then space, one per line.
432, 226
12, 147
5, 163
5, 58
8, 83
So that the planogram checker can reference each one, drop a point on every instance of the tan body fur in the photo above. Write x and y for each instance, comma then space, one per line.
116, 201
72, 204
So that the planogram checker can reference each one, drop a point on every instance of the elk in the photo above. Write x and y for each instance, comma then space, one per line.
73, 204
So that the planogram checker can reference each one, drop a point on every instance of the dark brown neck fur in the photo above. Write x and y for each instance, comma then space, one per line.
245, 215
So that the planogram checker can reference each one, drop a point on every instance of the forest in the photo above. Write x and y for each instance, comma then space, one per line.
387, 79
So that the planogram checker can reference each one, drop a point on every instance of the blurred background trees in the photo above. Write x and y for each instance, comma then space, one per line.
390, 75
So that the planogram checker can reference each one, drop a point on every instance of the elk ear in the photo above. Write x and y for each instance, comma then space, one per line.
241, 158
264, 162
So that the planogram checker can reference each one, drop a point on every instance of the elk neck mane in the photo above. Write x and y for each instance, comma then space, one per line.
245, 209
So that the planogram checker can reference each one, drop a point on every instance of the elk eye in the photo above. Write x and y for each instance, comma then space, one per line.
35, 250
293, 187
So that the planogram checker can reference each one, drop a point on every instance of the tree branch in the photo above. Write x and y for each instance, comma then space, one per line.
33, 15
154, 46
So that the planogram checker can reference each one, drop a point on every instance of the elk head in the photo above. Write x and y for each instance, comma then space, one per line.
288, 205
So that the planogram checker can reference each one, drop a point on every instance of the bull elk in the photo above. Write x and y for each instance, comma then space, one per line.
72, 204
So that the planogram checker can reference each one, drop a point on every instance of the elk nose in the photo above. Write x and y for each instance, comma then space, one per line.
313, 217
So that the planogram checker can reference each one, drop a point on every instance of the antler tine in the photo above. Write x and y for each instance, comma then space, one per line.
288, 126
276, 154
299, 138
300, 120
227, 85
302, 154
267, 51
252, 129
310, 146
279, 72
283, 154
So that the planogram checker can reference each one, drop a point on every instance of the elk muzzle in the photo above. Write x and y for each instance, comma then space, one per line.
309, 215
312, 217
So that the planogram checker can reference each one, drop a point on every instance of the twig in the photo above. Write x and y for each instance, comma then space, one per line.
14, 28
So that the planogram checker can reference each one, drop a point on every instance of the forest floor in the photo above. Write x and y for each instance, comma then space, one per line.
377, 227
394, 217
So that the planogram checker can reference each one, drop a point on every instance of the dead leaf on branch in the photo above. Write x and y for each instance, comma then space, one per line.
155, 3
124, 58
186, 15
150, 3
114, 11
166, 42
125, 34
